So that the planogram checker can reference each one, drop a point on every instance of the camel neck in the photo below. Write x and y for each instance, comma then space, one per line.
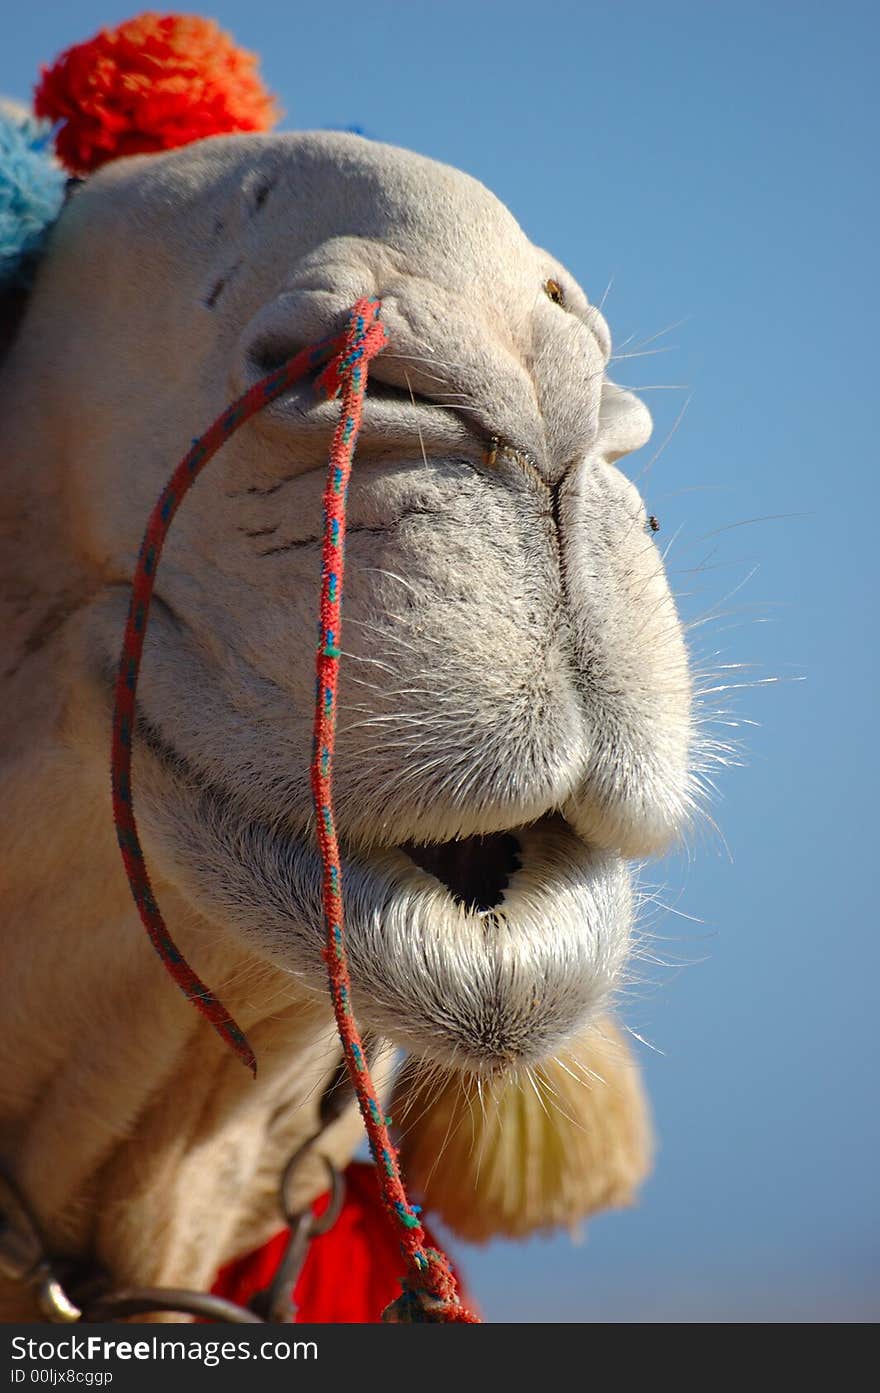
141, 1143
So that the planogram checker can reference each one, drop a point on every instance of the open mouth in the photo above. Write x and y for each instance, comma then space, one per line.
479, 954
475, 870
490, 950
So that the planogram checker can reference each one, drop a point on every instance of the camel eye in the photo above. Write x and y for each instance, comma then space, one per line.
553, 290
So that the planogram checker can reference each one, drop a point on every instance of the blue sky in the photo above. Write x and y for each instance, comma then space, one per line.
717, 164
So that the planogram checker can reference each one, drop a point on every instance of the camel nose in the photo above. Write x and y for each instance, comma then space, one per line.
534, 396
436, 360
531, 383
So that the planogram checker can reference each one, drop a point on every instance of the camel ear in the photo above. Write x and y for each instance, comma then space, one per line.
530, 1153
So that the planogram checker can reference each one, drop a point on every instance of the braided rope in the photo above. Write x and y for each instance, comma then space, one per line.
429, 1288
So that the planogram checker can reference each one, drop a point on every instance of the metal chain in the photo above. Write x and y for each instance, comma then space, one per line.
65, 1295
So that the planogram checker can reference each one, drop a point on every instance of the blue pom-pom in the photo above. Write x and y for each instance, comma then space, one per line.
31, 193
349, 130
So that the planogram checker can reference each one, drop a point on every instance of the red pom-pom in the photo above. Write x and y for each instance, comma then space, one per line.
153, 83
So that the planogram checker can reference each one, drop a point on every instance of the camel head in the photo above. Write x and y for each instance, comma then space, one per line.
515, 699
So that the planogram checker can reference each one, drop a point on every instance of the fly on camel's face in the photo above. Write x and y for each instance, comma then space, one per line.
515, 702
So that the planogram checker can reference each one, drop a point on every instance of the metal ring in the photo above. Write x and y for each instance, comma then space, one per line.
120, 1305
55, 1304
324, 1221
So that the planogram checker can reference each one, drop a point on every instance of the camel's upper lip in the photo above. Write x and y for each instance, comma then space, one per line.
475, 870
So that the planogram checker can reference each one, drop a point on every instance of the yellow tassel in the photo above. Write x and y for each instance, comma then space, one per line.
531, 1150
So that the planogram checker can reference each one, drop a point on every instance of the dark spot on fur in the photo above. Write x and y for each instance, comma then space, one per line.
291, 546
259, 531
263, 193
555, 508
295, 543
211, 300
52, 620
264, 493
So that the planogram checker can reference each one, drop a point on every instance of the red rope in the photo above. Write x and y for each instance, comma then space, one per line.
429, 1289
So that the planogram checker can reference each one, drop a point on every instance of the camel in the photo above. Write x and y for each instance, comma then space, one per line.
515, 699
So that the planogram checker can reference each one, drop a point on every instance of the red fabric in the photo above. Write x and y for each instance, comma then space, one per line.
152, 83
351, 1273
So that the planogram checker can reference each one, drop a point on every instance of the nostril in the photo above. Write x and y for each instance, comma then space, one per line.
271, 351
297, 318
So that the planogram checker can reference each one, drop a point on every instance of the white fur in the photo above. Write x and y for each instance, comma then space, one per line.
512, 652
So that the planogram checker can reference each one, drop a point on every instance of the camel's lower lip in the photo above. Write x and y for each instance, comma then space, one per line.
481, 963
